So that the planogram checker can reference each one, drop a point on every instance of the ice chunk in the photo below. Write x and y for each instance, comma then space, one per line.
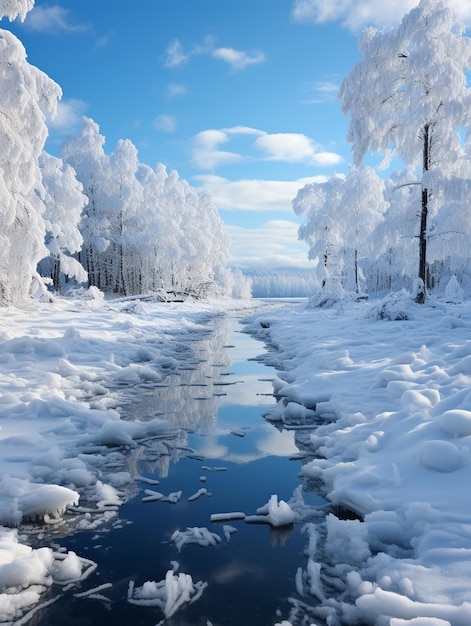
228, 531
226, 517
170, 594
173, 497
106, 494
441, 456
274, 513
93, 592
70, 568
20, 565
315, 584
198, 494
196, 535
152, 496
67, 569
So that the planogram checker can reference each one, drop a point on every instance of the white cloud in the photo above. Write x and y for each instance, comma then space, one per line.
295, 148
102, 42
323, 91
243, 130
165, 123
69, 116
176, 89
254, 195
274, 244
52, 19
206, 153
287, 147
354, 14
174, 55
237, 59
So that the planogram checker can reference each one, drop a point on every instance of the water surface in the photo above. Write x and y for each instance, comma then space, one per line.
216, 399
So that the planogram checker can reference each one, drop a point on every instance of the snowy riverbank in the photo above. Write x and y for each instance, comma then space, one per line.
392, 398
63, 444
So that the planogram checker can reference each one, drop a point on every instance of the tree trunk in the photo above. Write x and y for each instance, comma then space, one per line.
357, 285
56, 272
421, 294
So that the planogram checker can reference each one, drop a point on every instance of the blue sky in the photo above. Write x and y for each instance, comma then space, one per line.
238, 96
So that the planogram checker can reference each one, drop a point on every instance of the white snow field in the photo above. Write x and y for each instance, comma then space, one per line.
63, 444
389, 404
388, 385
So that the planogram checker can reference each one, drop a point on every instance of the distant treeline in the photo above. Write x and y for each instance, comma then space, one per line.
282, 282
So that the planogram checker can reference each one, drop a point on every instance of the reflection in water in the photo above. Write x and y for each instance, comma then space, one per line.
174, 399
214, 398
233, 394
231, 572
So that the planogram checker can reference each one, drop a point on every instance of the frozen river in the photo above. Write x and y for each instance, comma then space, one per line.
225, 458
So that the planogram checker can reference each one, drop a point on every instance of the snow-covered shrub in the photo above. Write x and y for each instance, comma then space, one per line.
396, 306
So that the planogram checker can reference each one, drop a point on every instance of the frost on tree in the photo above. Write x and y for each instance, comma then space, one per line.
15, 8
363, 206
25, 92
86, 155
408, 96
342, 213
322, 204
64, 201
144, 230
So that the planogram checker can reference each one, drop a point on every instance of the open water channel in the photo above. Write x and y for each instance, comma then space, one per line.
215, 399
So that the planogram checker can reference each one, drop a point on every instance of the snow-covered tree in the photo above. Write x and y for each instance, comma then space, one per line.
408, 95
64, 202
323, 230
86, 155
363, 205
124, 193
143, 229
15, 8
161, 239
25, 92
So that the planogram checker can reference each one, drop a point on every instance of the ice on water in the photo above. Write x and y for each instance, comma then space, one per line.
200, 536
392, 443
170, 594
274, 513
63, 444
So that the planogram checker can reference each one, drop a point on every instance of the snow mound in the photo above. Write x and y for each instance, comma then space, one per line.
170, 594
26, 573
456, 423
22, 500
441, 456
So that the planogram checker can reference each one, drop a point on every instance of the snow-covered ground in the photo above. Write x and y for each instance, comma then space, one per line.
389, 403
392, 400
63, 444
